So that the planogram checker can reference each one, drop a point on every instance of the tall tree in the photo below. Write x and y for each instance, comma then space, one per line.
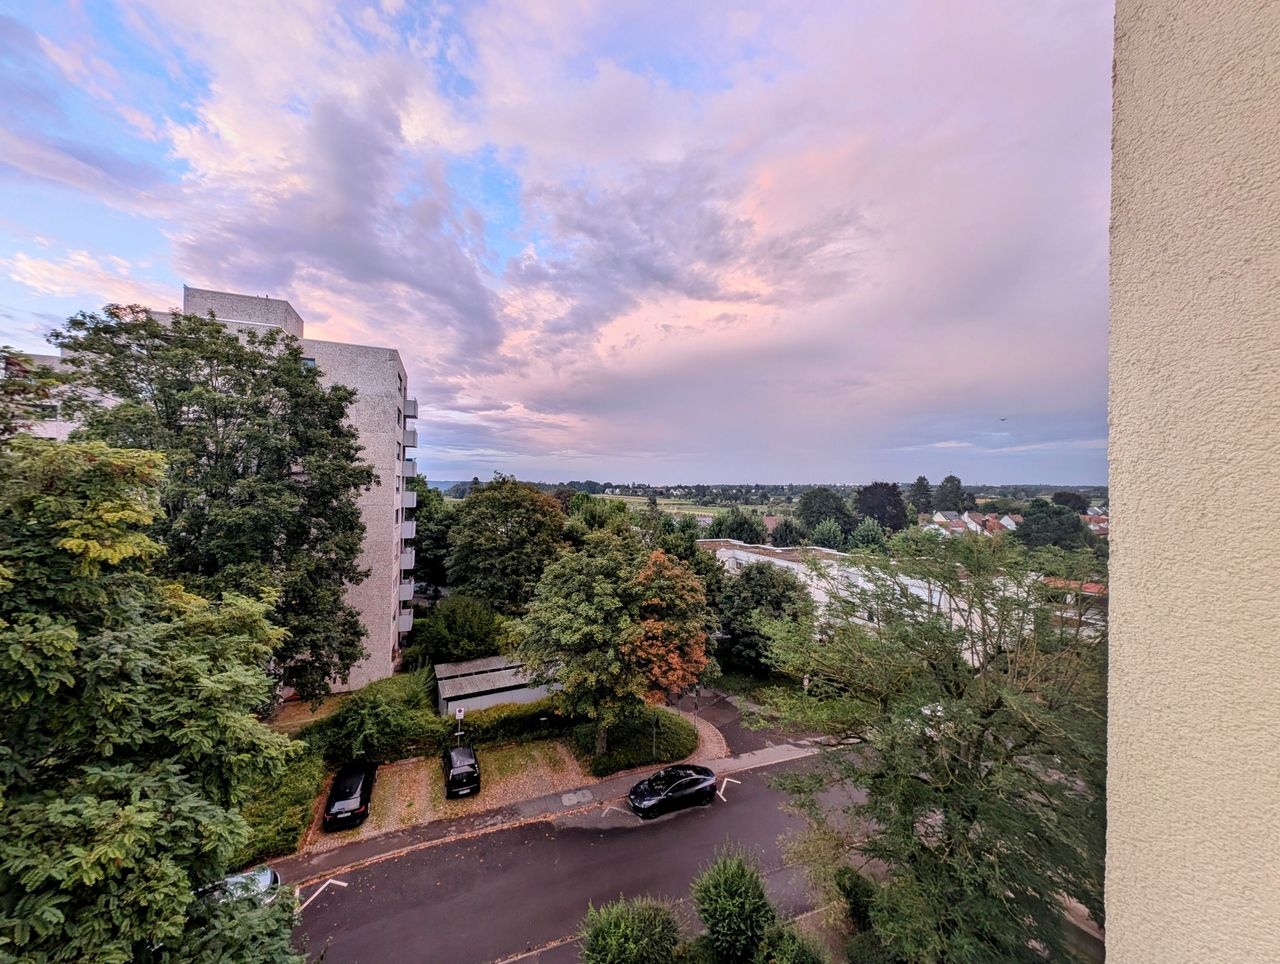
822, 503
920, 495
431, 540
24, 389
736, 524
1074, 501
127, 725
613, 626
829, 535
964, 699
883, 502
759, 591
504, 533
950, 495
789, 532
868, 535
1048, 524
265, 469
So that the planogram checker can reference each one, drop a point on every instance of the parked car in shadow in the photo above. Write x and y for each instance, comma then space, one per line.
261, 882
348, 804
673, 788
461, 772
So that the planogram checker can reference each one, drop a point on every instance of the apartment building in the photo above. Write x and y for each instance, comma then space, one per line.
382, 415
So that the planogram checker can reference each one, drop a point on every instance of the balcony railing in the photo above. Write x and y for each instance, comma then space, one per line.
410, 440
409, 469
407, 559
408, 499
406, 591
404, 622
410, 408
408, 530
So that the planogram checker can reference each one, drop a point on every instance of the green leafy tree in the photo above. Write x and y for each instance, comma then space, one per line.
789, 532
759, 591
1048, 524
614, 626
24, 389
920, 495
821, 503
503, 535
964, 698
736, 524
732, 904
950, 495
639, 931
868, 535
783, 944
455, 629
265, 470
1074, 501
431, 539
127, 728
829, 535
883, 502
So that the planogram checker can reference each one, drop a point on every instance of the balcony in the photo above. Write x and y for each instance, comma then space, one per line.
406, 591
404, 622
410, 440
408, 530
407, 559
409, 469
410, 408
408, 499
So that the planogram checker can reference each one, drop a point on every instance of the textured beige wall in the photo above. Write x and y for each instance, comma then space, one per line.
1193, 849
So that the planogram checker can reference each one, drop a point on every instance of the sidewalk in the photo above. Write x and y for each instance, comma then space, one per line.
304, 868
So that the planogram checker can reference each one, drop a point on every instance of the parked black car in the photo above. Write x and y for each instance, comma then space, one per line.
684, 785
461, 772
348, 804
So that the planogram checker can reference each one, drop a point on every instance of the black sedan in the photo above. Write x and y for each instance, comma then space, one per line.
677, 787
348, 804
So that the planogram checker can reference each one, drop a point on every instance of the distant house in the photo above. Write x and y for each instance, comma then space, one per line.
984, 523
943, 517
1099, 524
478, 683
1011, 522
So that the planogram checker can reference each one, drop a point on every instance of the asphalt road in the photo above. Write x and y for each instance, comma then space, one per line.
513, 891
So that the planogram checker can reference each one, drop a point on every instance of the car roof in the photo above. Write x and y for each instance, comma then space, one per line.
460, 756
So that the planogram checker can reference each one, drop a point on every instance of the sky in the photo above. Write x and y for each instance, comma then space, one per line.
665, 242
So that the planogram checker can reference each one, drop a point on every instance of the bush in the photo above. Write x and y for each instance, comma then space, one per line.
783, 944
376, 726
278, 809
640, 931
731, 901
455, 629
866, 948
858, 893
631, 742
510, 722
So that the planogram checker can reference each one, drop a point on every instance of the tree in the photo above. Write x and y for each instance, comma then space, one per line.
431, 539
638, 931
966, 698
820, 503
503, 535
24, 390
128, 731
920, 495
950, 495
454, 629
789, 532
736, 524
868, 535
613, 626
829, 535
1074, 501
265, 469
1048, 524
759, 591
732, 903
882, 501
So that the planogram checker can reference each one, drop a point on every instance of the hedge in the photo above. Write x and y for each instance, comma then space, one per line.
631, 743
783, 944
732, 903
640, 931
279, 810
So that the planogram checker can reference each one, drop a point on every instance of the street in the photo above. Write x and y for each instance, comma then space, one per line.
513, 891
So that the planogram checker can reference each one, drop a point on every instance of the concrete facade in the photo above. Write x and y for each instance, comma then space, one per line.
1193, 797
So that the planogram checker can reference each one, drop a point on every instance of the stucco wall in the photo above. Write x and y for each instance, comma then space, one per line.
1193, 849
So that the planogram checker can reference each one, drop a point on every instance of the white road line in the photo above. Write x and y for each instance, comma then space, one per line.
724, 786
320, 889
620, 810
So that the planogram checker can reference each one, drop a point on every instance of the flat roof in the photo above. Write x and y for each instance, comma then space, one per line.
480, 683
487, 664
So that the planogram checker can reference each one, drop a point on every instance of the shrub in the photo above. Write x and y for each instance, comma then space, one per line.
866, 948
509, 722
631, 742
278, 809
733, 906
783, 944
455, 629
376, 726
640, 931
858, 894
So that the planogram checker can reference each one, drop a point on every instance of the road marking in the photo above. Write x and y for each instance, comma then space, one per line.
629, 813
724, 786
320, 890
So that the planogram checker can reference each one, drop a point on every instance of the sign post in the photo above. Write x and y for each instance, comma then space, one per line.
458, 714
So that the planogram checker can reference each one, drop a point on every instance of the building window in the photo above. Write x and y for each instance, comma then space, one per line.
308, 363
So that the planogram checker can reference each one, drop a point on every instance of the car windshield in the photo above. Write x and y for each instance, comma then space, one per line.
462, 758
347, 786
664, 780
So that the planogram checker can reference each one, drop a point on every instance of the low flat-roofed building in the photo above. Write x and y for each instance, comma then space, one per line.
478, 683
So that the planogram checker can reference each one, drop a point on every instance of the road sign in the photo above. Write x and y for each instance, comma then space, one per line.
458, 713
